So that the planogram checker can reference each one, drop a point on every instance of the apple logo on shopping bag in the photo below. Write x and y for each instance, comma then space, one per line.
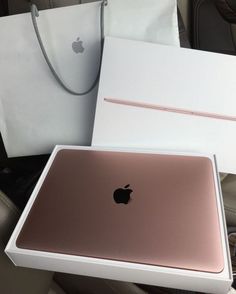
77, 46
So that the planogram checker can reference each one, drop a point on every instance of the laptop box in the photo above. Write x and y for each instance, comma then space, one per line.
156, 96
127, 214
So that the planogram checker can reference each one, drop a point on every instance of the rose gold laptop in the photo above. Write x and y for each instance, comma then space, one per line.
134, 207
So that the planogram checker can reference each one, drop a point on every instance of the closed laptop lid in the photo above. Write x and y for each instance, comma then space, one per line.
136, 207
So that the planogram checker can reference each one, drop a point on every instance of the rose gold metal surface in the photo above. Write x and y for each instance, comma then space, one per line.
171, 221
170, 109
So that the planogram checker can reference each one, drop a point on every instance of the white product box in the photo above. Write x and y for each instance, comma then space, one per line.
183, 79
218, 283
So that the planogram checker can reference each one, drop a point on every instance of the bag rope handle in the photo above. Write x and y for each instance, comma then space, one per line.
34, 15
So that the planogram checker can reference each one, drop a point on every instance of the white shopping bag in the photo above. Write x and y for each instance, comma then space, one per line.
143, 20
36, 113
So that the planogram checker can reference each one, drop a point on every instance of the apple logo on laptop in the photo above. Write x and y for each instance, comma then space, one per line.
122, 195
77, 46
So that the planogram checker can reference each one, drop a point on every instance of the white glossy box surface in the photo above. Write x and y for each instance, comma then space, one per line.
166, 76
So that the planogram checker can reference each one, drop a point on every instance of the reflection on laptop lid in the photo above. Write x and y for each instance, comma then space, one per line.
136, 207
